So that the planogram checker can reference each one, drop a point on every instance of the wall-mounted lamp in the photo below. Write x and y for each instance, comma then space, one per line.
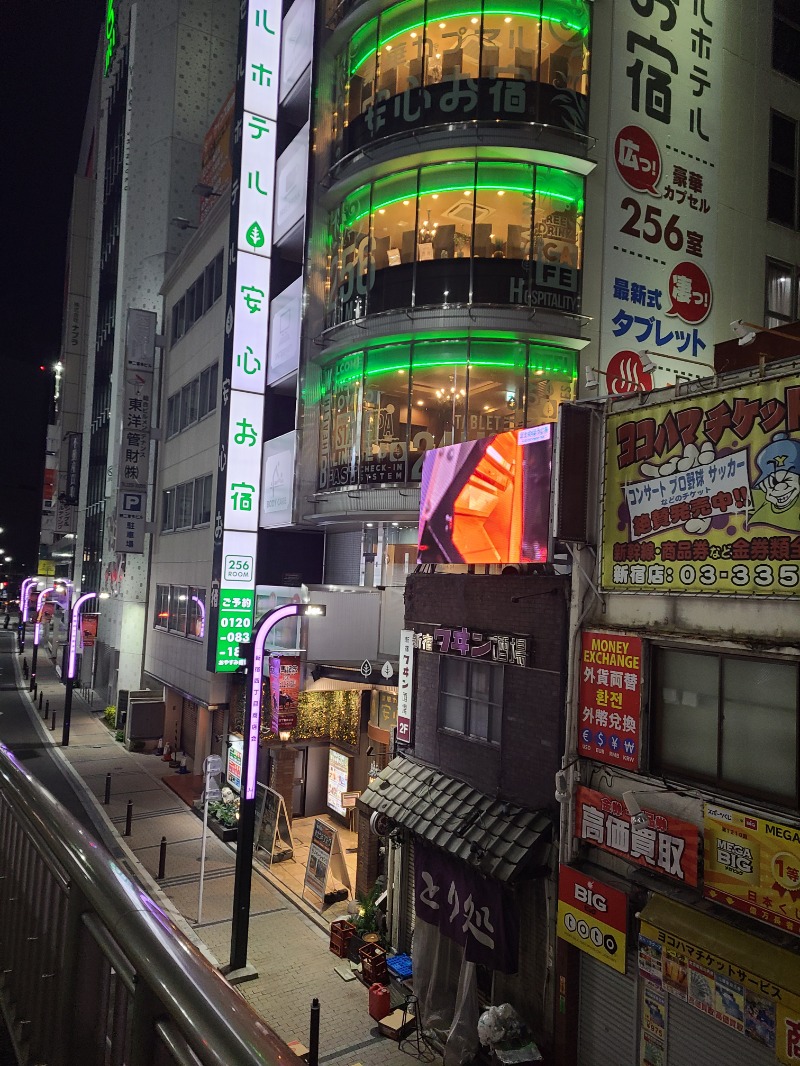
563, 792
638, 817
746, 332
201, 189
182, 223
590, 377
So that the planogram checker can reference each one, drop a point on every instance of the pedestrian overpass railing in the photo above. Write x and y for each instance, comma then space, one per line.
91, 968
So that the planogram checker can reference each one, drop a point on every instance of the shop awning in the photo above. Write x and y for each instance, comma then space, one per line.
698, 929
500, 839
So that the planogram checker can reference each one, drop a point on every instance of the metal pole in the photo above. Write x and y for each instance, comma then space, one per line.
313, 1034
240, 924
162, 859
107, 797
203, 857
128, 818
71, 660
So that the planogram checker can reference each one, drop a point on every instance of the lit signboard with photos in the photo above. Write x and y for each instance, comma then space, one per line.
488, 501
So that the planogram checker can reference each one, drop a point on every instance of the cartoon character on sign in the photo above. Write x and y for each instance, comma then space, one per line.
779, 474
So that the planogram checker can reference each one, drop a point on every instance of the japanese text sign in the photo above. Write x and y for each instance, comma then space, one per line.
237, 504
752, 865
666, 845
742, 998
661, 192
610, 698
284, 690
467, 643
405, 686
472, 910
593, 917
701, 494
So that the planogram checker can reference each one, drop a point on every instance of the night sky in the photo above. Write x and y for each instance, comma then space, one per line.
47, 54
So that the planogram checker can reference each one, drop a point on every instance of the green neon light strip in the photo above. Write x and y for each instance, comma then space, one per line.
489, 186
583, 30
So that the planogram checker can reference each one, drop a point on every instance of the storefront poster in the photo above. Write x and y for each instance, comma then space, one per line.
319, 858
88, 630
675, 974
338, 779
472, 910
659, 265
654, 1011
666, 845
752, 865
737, 997
284, 691
593, 917
610, 698
759, 1018
233, 770
650, 952
701, 494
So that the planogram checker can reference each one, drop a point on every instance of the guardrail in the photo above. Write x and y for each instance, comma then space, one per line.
91, 968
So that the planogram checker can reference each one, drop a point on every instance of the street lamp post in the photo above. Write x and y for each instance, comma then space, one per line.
237, 969
72, 660
24, 593
37, 630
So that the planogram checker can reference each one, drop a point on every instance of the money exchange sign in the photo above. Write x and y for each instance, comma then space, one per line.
702, 494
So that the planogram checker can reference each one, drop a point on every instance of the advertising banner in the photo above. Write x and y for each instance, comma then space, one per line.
593, 917
753, 866
284, 691
666, 845
277, 482
88, 630
487, 501
610, 697
405, 686
659, 263
702, 492
338, 779
466, 907
233, 771
742, 998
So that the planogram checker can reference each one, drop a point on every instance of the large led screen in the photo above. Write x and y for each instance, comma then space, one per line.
487, 501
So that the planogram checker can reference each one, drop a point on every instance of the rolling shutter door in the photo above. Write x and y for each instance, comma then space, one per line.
607, 1033
693, 1036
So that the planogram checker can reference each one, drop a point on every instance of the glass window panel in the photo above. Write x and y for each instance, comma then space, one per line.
496, 390
454, 713
168, 509
780, 290
759, 740
400, 49
384, 416
202, 500
479, 720
196, 613
551, 381
438, 394
180, 597
782, 142
350, 278
393, 219
687, 696
340, 386
454, 675
174, 414
184, 496
162, 607
503, 220
361, 84
510, 42
446, 210
480, 681
558, 218
564, 59
453, 34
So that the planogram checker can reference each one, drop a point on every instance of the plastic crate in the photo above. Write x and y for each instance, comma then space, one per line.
373, 963
400, 966
341, 932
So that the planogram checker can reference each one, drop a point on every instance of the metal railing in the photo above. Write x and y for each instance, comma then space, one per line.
91, 968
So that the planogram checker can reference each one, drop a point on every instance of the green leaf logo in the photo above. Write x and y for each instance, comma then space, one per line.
255, 236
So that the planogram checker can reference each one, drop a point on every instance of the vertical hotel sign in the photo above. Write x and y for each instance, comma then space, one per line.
659, 266
245, 351
405, 686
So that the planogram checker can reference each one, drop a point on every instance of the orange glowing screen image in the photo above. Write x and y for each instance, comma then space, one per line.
487, 501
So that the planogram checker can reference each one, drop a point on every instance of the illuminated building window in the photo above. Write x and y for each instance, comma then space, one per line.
425, 64
458, 233
382, 409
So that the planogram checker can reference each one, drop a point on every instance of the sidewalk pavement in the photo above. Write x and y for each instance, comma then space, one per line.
288, 941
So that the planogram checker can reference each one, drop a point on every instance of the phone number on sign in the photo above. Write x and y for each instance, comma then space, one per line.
709, 575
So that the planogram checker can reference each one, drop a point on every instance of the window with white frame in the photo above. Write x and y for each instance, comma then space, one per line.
181, 609
727, 721
780, 294
470, 698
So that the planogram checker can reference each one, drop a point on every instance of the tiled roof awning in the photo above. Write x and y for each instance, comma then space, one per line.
500, 839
